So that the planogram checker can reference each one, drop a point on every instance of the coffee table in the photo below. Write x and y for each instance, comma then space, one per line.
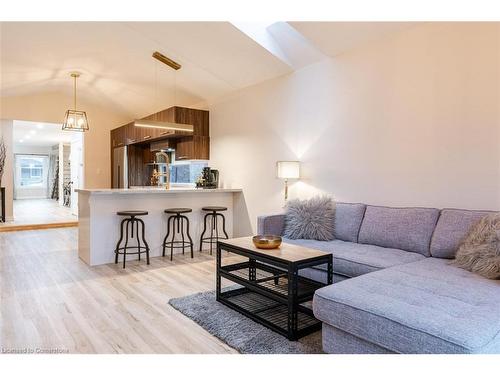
269, 288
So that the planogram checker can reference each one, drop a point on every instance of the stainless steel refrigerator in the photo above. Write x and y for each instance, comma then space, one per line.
120, 167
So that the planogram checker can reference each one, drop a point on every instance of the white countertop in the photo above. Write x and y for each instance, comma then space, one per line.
155, 190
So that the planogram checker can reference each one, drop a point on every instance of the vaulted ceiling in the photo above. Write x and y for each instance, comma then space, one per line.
118, 71
335, 38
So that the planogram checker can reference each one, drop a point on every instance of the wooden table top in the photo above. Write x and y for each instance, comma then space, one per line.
287, 252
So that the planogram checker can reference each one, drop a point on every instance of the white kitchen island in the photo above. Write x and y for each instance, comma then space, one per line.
99, 225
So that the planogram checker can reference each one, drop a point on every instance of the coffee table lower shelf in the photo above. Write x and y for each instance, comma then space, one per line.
269, 312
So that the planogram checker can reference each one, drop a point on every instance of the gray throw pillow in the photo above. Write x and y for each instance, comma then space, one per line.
311, 219
480, 251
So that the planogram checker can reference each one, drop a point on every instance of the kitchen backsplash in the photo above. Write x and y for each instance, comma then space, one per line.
186, 172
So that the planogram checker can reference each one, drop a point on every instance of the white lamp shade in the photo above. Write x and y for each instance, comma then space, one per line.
288, 169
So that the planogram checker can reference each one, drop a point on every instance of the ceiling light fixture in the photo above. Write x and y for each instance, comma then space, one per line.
165, 125
75, 120
164, 59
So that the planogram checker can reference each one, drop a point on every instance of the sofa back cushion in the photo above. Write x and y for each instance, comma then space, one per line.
407, 229
348, 218
452, 227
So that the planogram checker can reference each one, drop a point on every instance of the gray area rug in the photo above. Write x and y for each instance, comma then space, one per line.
238, 331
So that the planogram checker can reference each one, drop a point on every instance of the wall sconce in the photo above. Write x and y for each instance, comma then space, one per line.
287, 170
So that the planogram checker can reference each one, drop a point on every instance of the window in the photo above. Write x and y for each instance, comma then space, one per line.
186, 173
32, 170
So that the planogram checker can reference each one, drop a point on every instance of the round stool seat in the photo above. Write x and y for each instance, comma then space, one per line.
214, 208
178, 210
132, 213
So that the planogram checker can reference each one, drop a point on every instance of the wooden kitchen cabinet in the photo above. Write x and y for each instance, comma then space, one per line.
192, 148
142, 134
118, 137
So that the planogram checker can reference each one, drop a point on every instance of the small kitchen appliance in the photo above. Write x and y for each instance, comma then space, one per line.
209, 179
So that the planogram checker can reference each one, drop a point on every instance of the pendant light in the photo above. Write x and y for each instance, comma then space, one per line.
165, 125
75, 120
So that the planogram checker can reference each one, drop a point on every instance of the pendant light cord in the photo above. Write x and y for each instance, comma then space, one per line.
156, 85
74, 93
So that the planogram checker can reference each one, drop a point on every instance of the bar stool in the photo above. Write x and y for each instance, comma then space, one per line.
214, 212
132, 220
177, 217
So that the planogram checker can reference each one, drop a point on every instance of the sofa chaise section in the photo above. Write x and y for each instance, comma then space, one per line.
427, 306
400, 294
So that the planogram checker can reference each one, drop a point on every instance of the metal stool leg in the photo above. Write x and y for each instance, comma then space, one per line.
138, 240
224, 225
216, 230
204, 230
144, 240
126, 241
182, 231
168, 234
188, 235
119, 241
173, 239
214, 225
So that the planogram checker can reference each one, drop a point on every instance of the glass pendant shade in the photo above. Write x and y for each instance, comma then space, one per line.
75, 120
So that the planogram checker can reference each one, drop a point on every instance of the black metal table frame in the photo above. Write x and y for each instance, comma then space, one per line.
291, 300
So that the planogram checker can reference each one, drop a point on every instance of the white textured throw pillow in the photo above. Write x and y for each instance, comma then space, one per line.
311, 219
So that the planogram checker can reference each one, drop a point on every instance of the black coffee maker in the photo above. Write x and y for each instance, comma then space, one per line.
210, 178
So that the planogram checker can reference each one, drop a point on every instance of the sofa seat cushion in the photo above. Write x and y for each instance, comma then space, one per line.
353, 259
451, 229
407, 229
427, 306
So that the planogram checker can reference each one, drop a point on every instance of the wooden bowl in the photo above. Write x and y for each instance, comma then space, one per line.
266, 242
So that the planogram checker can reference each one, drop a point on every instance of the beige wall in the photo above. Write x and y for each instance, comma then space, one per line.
6, 132
411, 120
51, 107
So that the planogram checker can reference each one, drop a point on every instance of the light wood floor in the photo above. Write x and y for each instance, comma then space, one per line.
39, 214
51, 299
41, 211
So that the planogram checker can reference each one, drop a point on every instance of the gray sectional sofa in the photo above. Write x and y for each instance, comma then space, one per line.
394, 289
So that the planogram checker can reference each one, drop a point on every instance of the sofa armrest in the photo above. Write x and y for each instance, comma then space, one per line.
271, 224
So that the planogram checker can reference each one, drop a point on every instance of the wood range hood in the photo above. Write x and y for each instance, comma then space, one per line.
179, 124
170, 129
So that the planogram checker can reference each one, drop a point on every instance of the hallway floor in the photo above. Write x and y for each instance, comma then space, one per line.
39, 211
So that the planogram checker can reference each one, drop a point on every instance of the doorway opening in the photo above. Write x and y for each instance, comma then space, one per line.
48, 166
